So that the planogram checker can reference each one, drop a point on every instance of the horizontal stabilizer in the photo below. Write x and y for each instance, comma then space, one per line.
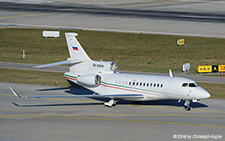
59, 63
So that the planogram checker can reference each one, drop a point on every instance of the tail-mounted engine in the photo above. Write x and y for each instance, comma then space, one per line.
89, 80
104, 66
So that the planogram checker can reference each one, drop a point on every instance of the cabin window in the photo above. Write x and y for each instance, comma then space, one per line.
154, 84
157, 85
133, 83
161, 85
140, 84
147, 84
143, 84
137, 83
129, 83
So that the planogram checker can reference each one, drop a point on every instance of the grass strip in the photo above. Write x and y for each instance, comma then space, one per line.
32, 77
132, 52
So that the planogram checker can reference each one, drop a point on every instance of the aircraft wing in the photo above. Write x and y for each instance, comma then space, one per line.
94, 95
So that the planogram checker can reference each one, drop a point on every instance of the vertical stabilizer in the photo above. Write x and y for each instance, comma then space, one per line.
77, 53
75, 49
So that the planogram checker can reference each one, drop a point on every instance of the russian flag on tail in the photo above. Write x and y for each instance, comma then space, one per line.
75, 48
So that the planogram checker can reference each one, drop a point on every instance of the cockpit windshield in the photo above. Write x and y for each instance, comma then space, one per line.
185, 85
190, 85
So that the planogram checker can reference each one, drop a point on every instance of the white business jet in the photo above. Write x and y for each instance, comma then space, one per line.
101, 78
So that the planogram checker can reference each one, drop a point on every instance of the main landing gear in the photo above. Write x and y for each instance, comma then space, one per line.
110, 103
186, 105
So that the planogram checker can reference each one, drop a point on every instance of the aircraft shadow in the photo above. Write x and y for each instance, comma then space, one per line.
169, 102
77, 90
55, 105
54, 89
121, 102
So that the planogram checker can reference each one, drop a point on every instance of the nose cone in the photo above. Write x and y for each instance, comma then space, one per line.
199, 93
204, 94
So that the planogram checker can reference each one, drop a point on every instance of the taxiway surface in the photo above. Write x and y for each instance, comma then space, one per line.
86, 119
175, 17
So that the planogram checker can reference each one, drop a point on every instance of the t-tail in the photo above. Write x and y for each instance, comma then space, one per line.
79, 62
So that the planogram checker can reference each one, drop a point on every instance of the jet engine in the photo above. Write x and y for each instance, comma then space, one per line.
89, 79
105, 66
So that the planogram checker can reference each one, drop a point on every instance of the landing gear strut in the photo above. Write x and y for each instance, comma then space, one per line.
110, 103
186, 105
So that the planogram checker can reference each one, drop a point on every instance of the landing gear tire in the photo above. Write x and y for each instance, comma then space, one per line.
187, 108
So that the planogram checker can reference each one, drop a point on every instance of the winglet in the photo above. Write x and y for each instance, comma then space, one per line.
171, 73
15, 93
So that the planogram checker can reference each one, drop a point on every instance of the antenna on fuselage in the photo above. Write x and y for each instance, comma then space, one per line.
171, 73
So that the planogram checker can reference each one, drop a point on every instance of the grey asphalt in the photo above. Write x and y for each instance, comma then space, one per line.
203, 18
196, 77
87, 119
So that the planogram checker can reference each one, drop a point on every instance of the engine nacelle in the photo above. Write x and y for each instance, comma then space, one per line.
104, 66
89, 79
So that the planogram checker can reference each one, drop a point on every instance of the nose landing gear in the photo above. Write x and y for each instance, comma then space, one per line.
186, 105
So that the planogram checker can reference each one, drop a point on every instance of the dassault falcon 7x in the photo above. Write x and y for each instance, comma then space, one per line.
101, 78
